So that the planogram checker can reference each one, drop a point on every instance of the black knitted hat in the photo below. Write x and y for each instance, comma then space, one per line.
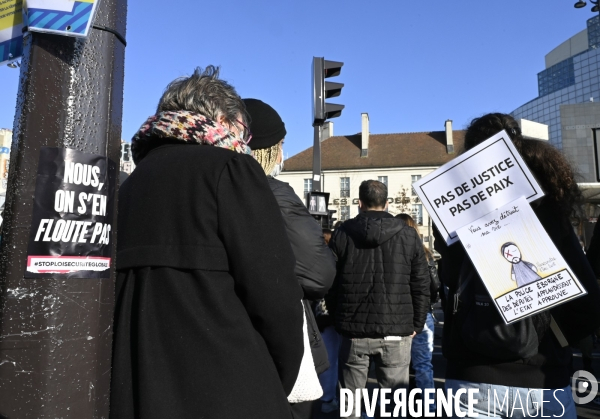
266, 125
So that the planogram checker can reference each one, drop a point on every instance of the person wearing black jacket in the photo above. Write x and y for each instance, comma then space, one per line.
208, 320
474, 365
380, 296
593, 251
315, 264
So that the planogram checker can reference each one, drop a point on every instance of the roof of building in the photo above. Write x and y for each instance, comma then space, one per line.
412, 149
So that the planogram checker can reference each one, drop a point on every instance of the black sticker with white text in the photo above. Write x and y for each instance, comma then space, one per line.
70, 235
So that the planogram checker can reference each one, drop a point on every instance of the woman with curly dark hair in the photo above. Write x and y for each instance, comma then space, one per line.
525, 375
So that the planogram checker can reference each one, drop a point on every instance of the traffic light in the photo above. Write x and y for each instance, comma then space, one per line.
317, 203
125, 152
331, 219
323, 69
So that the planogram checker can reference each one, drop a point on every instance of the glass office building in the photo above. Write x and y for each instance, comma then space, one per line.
571, 76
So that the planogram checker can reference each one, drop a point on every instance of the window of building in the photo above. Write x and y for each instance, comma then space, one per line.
344, 187
413, 179
344, 212
556, 77
417, 213
307, 186
383, 179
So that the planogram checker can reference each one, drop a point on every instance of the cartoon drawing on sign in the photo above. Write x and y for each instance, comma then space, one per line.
525, 272
521, 271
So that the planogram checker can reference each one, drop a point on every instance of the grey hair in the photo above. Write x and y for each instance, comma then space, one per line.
203, 92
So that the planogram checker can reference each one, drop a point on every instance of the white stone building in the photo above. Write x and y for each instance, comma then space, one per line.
394, 159
126, 164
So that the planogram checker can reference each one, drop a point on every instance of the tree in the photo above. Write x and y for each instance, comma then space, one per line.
402, 202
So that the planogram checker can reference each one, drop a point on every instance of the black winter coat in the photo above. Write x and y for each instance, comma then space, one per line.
208, 318
593, 251
434, 282
315, 264
550, 367
382, 283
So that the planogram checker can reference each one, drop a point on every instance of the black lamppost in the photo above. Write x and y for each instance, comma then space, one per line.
56, 335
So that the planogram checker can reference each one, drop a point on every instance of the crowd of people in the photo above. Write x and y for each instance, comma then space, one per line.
232, 302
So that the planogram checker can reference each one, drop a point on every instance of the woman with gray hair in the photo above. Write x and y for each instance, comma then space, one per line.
208, 319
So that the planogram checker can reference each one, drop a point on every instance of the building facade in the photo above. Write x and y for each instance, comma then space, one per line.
571, 77
569, 102
398, 160
126, 164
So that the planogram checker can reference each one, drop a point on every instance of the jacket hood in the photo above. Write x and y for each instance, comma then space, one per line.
373, 228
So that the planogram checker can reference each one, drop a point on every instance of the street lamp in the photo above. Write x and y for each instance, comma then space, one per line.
13, 64
582, 3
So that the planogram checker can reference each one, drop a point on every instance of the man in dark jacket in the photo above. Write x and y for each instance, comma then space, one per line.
380, 296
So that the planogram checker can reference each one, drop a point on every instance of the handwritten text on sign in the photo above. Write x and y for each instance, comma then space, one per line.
538, 295
517, 261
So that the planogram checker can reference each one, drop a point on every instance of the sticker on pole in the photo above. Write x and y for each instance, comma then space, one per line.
11, 30
518, 263
475, 183
70, 235
61, 17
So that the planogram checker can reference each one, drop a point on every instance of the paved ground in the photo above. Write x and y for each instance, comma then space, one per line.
589, 411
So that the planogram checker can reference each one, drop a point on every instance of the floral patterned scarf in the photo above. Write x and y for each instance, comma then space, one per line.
183, 126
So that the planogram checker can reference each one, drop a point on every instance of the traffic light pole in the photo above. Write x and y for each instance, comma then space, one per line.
316, 183
56, 334
322, 111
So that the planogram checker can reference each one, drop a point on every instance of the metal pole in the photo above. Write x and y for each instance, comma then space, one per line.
56, 335
316, 184
429, 230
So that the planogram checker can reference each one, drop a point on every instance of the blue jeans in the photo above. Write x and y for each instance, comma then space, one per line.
329, 378
495, 401
421, 353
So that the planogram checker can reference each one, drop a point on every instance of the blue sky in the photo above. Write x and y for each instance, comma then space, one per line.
410, 64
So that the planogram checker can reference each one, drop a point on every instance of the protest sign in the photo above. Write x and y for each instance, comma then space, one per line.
475, 183
517, 261
11, 27
62, 17
72, 215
